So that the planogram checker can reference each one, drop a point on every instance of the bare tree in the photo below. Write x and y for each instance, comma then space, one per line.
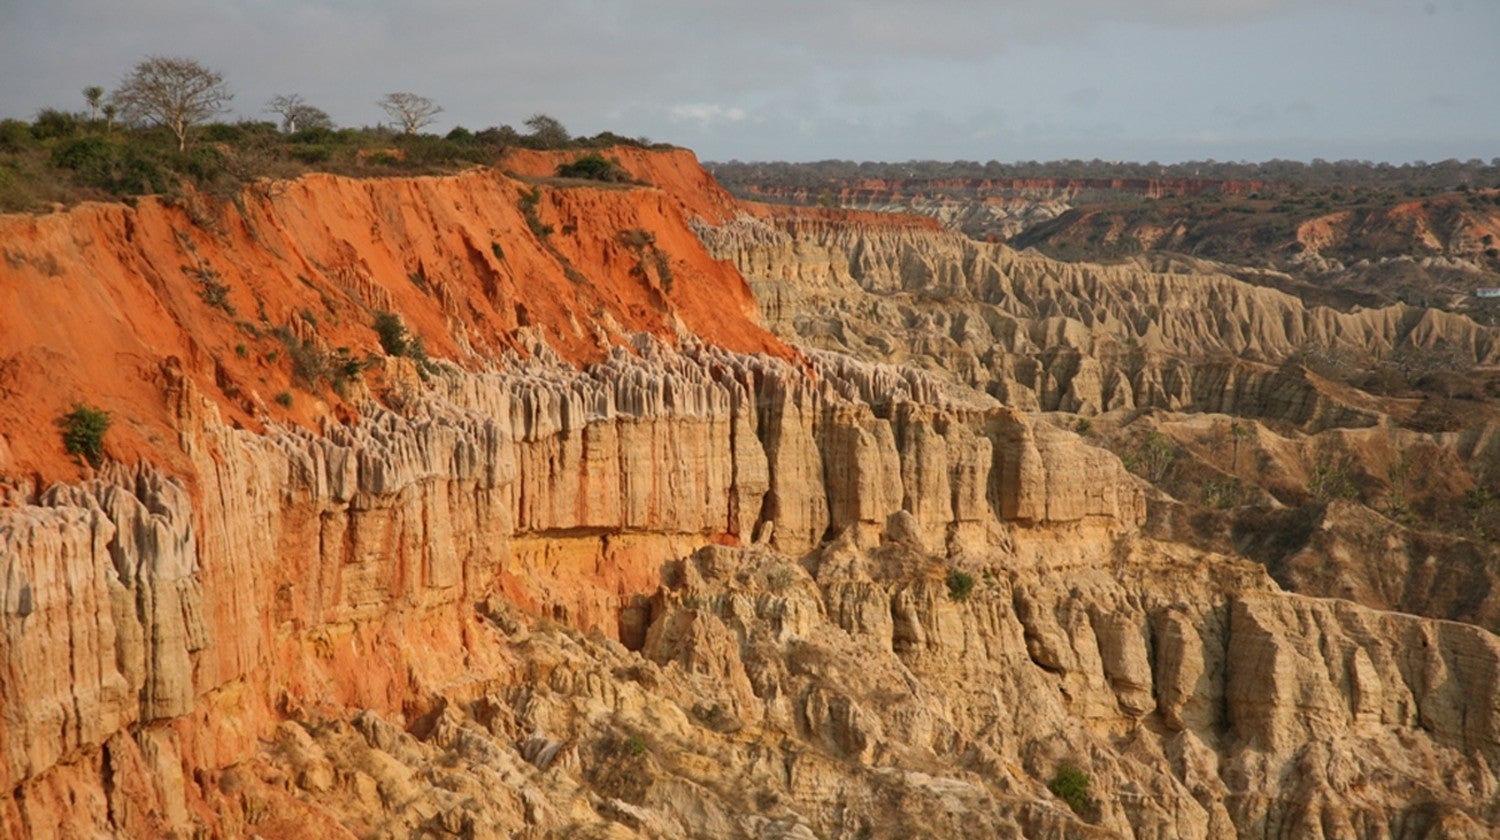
94, 95
177, 93
296, 114
410, 110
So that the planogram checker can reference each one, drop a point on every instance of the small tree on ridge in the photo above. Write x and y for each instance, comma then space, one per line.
94, 96
547, 132
413, 112
296, 115
177, 93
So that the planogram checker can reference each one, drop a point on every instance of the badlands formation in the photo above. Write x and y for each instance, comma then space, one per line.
693, 518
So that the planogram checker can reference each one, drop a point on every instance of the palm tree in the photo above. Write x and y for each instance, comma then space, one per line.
94, 95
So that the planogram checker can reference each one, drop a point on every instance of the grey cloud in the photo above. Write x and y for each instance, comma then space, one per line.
1084, 97
837, 78
1301, 108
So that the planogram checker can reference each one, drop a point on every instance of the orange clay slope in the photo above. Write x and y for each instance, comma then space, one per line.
112, 306
675, 171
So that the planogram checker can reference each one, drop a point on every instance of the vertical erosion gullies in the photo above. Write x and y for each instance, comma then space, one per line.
339, 569
1058, 336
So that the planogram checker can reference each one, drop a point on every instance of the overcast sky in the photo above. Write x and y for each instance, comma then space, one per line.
1010, 80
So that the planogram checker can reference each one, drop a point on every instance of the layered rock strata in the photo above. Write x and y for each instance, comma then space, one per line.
1056, 336
989, 208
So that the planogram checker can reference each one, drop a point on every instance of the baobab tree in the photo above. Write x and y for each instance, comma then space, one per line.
410, 110
296, 114
177, 93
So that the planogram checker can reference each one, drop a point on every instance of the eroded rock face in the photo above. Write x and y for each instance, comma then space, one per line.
1179, 351
669, 585
852, 695
1043, 334
565, 489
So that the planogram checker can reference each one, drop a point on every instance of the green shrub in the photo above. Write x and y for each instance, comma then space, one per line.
635, 746
636, 239
780, 577
1332, 479
643, 243
1223, 494
51, 122
1156, 455
83, 431
141, 173
529, 202
112, 166
1477, 499
15, 136
394, 339
203, 164
222, 133
284, 399
1071, 785
594, 167
425, 150
312, 365
311, 153
210, 289
87, 155
960, 584
345, 366
317, 135
663, 268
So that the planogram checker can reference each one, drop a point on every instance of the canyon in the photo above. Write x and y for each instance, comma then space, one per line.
1341, 235
667, 514
988, 208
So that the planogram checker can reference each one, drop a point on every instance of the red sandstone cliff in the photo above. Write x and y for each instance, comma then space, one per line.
104, 303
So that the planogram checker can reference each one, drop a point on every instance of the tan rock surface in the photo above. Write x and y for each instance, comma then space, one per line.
1051, 335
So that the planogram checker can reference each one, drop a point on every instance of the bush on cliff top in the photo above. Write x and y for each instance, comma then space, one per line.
594, 167
62, 157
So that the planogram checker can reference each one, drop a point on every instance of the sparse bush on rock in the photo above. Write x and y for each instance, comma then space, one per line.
83, 431
1071, 785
